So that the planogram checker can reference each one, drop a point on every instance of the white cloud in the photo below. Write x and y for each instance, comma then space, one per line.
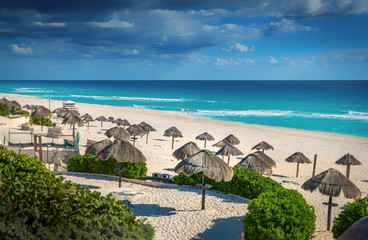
113, 23
229, 61
20, 50
131, 52
50, 24
273, 60
285, 26
237, 47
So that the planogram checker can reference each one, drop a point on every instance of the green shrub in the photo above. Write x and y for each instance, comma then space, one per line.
4, 111
352, 213
39, 121
87, 163
244, 183
32, 195
25, 113
279, 214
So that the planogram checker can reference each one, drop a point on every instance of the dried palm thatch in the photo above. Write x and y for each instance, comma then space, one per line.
187, 150
174, 133
27, 107
118, 132
98, 146
254, 163
71, 113
357, 231
118, 121
87, 118
263, 146
122, 151
205, 137
211, 166
101, 119
221, 143
147, 128
348, 160
232, 140
298, 157
266, 158
73, 120
62, 113
136, 131
4, 100
330, 183
12, 104
42, 112
123, 122
229, 150
56, 110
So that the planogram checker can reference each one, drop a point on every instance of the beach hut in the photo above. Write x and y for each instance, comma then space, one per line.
263, 146
254, 163
174, 133
331, 183
147, 128
205, 137
42, 112
136, 131
297, 158
118, 132
98, 146
229, 150
211, 166
348, 160
101, 119
69, 105
187, 150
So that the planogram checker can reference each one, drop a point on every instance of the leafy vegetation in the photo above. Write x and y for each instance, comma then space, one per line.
352, 213
4, 111
279, 214
87, 163
40, 121
34, 204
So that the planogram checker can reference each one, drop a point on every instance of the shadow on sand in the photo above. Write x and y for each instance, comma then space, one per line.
149, 210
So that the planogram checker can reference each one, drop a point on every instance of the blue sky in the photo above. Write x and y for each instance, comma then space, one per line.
199, 40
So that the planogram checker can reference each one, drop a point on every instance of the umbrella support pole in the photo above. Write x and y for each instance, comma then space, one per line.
41, 124
348, 170
228, 160
330, 205
204, 143
314, 165
203, 191
147, 139
172, 146
133, 140
297, 169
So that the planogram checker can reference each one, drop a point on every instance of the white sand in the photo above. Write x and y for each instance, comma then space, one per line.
329, 147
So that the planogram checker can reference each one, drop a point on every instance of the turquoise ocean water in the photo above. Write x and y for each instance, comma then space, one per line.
326, 106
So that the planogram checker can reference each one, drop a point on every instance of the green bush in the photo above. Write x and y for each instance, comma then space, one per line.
352, 213
4, 111
39, 121
44, 205
87, 163
279, 214
244, 183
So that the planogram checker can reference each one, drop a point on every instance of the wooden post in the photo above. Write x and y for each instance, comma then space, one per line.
329, 213
228, 160
19, 147
348, 170
133, 139
172, 146
205, 143
40, 147
4, 141
147, 138
314, 165
35, 145
203, 191
297, 169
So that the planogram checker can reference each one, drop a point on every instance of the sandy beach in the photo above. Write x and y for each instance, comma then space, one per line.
174, 211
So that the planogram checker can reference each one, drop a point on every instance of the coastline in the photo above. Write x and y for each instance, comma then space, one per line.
329, 146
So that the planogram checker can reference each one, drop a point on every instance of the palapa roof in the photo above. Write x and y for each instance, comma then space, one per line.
12, 104
4, 100
357, 231
254, 163
42, 112
205, 136
298, 157
87, 118
187, 150
205, 161
221, 143
71, 113
172, 132
73, 119
118, 132
229, 150
330, 183
56, 110
146, 127
123, 122
136, 130
101, 118
266, 158
98, 146
232, 140
348, 159
263, 146
122, 151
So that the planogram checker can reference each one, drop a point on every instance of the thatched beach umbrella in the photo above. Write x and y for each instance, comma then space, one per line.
87, 118
4, 100
266, 158
229, 150
174, 133
118, 121
187, 150
12, 105
98, 146
211, 166
57, 110
298, 157
348, 160
330, 183
205, 137
254, 163
357, 231
123, 122
73, 120
118, 132
101, 119
263, 146
221, 143
71, 113
27, 107
42, 112
232, 140
136, 131
147, 128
